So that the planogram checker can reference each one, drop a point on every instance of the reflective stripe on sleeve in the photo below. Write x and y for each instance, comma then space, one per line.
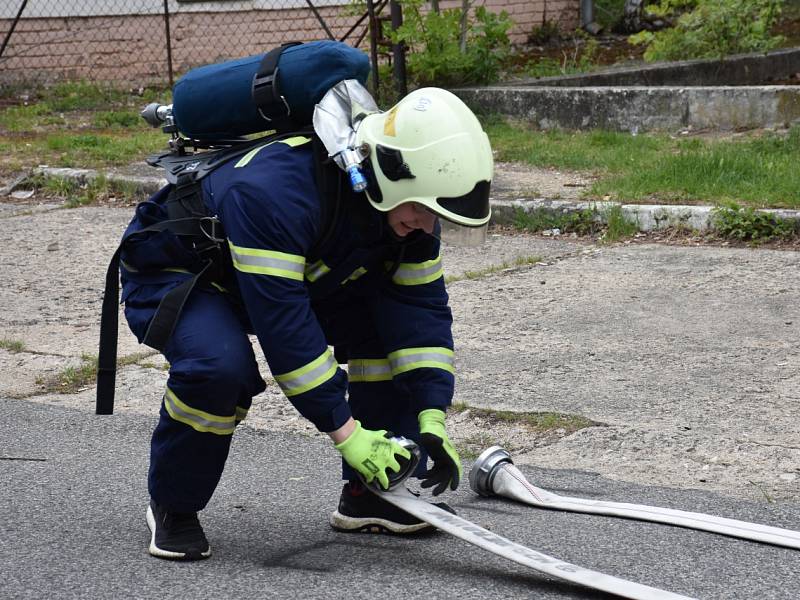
241, 413
267, 262
316, 270
418, 273
292, 141
307, 377
418, 358
369, 369
198, 419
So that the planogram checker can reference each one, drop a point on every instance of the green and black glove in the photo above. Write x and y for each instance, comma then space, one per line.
371, 453
446, 470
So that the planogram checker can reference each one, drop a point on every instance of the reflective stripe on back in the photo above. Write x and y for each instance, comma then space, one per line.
298, 140
418, 358
369, 369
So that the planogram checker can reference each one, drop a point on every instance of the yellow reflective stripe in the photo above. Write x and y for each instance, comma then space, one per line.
128, 267
241, 413
267, 262
355, 275
295, 141
369, 369
418, 358
316, 270
309, 376
418, 273
197, 419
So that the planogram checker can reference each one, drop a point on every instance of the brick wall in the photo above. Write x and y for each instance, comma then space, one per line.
133, 48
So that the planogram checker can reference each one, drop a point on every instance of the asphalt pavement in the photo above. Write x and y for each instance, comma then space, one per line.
73, 496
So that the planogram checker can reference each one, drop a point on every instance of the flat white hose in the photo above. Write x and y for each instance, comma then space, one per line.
509, 482
483, 538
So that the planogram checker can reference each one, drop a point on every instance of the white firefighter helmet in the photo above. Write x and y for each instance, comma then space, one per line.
430, 149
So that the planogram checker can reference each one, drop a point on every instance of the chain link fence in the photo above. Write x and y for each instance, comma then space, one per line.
152, 42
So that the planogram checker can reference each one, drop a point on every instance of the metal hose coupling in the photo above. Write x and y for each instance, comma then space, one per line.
407, 466
488, 464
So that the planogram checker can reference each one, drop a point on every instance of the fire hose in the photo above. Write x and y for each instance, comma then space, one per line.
402, 498
494, 473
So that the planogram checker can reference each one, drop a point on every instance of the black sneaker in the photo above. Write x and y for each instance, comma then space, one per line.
177, 536
362, 511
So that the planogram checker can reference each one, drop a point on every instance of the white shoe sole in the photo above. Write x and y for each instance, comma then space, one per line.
342, 522
158, 552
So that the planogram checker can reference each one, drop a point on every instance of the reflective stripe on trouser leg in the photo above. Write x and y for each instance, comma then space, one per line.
213, 376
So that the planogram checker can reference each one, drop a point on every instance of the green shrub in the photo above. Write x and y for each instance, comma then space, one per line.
436, 53
749, 225
714, 28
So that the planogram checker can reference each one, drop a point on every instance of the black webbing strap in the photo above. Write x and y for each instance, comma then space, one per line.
169, 309
267, 95
107, 354
163, 321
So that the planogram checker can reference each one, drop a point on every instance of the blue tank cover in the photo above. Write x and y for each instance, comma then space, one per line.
215, 101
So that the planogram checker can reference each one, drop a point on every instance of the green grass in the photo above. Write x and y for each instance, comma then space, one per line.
75, 194
520, 261
80, 125
533, 421
73, 379
755, 170
12, 345
611, 221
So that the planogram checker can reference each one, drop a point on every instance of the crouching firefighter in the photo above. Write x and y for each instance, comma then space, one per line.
276, 242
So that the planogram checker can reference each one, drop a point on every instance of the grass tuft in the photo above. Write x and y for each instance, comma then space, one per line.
12, 345
520, 261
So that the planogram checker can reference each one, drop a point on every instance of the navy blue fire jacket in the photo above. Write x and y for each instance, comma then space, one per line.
295, 291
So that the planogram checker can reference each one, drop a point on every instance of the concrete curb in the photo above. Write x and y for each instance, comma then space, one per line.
648, 217
641, 108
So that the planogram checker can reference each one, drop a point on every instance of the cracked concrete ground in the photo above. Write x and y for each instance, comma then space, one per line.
687, 357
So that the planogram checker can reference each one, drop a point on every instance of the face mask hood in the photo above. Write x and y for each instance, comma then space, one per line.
337, 116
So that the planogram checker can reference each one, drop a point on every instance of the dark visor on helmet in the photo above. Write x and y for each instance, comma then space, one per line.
472, 205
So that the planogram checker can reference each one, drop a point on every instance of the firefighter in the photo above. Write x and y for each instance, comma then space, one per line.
371, 286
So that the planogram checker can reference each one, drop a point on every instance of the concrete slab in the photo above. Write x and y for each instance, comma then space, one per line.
671, 347
53, 267
636, 109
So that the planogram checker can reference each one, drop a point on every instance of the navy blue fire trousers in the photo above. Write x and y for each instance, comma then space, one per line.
213, 377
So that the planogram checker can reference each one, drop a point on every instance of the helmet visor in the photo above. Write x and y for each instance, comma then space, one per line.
472, 205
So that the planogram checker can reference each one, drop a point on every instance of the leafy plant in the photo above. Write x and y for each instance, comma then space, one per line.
542, 34
714, 28
618, 226
748, 224
436, 52
582, 222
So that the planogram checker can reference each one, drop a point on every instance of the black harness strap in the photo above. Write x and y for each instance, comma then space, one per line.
271, 105
166, 315
187, 217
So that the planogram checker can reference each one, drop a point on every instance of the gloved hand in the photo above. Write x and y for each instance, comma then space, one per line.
446, 468
371, 453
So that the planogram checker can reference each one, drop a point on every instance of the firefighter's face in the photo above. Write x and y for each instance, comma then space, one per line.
405, 218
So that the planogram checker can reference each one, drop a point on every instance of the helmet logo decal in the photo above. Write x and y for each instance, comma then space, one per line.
423, 103
392, 165
388, 124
